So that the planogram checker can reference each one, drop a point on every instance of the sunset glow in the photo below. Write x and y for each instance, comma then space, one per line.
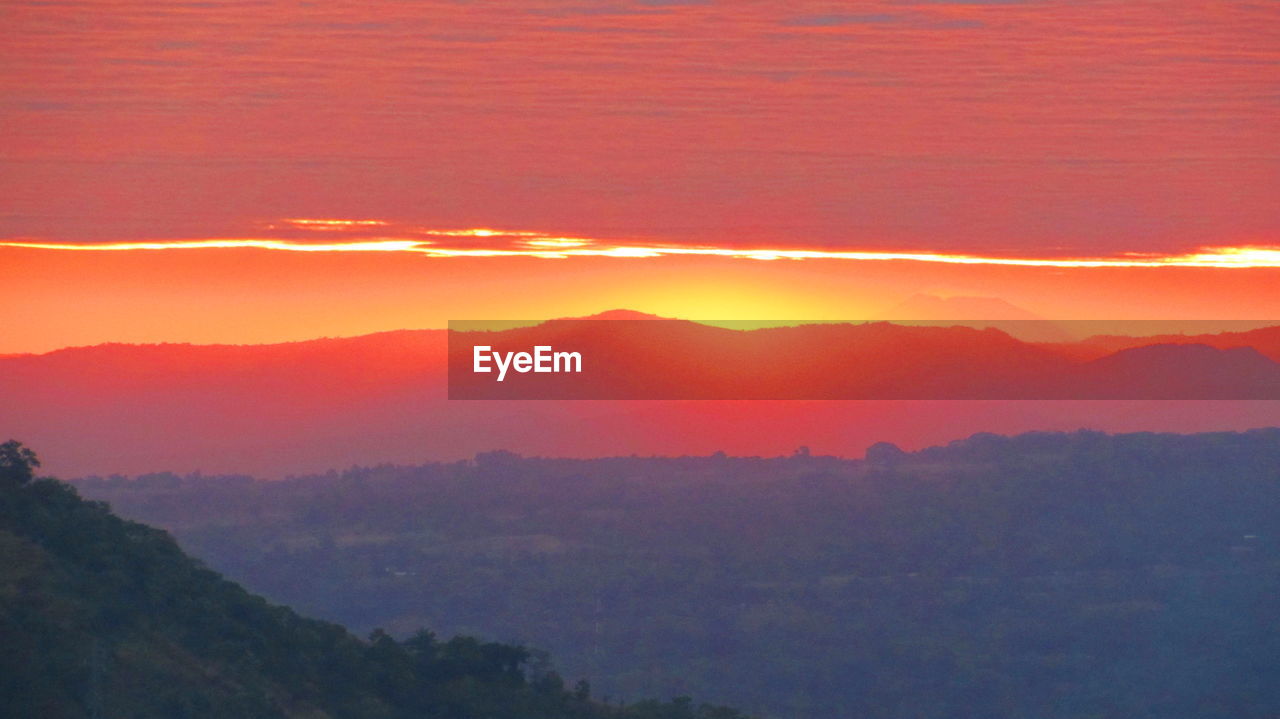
524, 243
252, 174
218, 173
676, 337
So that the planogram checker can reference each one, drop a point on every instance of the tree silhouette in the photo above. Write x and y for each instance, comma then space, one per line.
17, 463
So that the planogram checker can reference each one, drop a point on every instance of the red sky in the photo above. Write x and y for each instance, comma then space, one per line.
1000, 129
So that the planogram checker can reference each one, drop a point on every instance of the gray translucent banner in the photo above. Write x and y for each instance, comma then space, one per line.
633, 359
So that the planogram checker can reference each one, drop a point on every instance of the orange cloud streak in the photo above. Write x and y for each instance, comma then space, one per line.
524, 243
389, 245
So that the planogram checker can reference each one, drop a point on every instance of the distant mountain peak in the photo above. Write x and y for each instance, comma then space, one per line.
927, 306
1179, 352
619, 314
976, 311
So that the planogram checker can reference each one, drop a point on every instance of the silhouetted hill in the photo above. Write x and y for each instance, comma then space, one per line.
307, 406
620, 314
1265, 340
102, 617
1172, 371
678, 359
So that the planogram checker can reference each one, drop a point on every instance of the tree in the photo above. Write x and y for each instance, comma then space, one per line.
17, 463
885, 454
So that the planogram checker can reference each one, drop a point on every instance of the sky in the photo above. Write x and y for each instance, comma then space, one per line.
766, 160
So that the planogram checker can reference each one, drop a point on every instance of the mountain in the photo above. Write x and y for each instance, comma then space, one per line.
923, 306
118, 404
1173, 371
979, 312
620, 314
308, 406
679, 359
1265, 340
106, 617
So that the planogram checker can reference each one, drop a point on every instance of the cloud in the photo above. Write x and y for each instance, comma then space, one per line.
604, 29
838, 20
365, 235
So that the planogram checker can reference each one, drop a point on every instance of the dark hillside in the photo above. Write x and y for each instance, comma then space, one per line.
104, 617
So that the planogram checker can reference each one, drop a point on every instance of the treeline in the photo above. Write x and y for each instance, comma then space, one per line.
102, 617
1055, 575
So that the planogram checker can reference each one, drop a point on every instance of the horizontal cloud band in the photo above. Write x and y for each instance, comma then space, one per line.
444, 243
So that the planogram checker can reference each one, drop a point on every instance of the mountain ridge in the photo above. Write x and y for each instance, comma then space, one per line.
304, 406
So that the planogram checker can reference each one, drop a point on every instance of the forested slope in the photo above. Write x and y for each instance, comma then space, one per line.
105, 617
1055, 575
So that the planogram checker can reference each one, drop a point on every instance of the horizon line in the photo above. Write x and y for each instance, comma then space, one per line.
1206, 328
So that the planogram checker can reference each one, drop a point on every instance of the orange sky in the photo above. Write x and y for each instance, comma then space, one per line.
250, 295
1109, 131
